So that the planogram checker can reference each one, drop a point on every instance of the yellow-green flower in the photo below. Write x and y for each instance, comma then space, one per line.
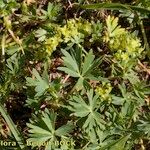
104, 90
125, 56
52, 43
113, 29
125, 45
84, 25
87, 28
72, 30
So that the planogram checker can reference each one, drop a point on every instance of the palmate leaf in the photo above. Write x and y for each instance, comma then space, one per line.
89, 110
79, 107
42, 128
41, 84
83, 70
53, 11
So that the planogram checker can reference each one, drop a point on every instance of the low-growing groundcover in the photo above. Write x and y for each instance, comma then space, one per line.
74, 74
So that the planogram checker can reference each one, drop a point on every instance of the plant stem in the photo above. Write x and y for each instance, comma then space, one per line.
144, 37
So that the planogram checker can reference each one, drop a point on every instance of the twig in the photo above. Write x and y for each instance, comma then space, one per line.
85, 146
70, 4
145, 69
3, 48
66, 78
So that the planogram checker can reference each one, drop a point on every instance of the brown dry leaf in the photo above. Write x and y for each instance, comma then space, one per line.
144, 67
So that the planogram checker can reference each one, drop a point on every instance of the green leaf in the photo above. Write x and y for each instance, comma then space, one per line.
77, 54
87, 62
115, 6
120, 144
38, 130
70, 60
79, 84
42, 128
53, 11
82, 69
69, 71
50, 121
12, 127
64, 130
88, 110
80, 108
117, 100
41, 84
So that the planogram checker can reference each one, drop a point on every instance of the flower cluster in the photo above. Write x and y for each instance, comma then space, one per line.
70, 31
74, 31
104, 91
52, 43
125, 45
